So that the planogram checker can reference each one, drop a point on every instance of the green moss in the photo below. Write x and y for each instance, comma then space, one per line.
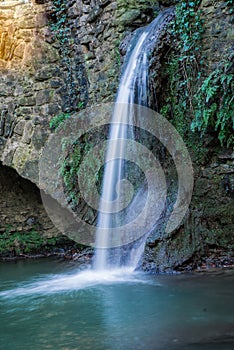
58, 120
25, 242
92, 166
220, 212
219, 238
129, 10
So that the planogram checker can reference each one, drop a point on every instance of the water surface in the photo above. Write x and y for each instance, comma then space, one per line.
50, 305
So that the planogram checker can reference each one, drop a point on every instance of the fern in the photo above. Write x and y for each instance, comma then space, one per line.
214, 105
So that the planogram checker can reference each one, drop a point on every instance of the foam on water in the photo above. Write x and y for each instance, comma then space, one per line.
69, 282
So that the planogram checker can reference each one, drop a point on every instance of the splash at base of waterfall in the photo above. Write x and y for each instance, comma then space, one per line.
74, 281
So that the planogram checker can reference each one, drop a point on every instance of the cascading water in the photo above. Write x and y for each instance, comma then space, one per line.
133, 90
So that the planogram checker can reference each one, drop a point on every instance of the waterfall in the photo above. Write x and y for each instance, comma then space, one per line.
113, 212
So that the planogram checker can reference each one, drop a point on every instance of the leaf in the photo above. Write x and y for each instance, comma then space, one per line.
211, 92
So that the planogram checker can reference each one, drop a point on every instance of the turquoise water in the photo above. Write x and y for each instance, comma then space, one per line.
50, 305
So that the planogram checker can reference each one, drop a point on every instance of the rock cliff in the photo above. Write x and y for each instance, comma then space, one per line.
54, 62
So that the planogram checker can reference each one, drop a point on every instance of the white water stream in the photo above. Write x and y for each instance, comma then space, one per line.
133, 90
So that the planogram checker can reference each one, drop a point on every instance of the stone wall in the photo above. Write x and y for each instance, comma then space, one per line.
39, 81
100, 27
34, 83
219, 35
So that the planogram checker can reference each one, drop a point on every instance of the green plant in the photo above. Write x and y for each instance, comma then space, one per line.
26, 242
215, 105
81, 105
69, 170
58, 120
193, 102
183, 64
230, 4
62, 33
76, 154
20, 242
58, 20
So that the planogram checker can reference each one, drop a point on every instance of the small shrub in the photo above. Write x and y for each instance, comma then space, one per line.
58, 120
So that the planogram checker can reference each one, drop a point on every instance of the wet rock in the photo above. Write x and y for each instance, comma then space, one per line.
129, 17
31, 221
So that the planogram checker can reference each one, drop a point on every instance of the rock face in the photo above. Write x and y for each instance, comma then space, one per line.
205, 238
21, 207
34, 84
219, 35
47, 69
100, 27
42, 76
46, 72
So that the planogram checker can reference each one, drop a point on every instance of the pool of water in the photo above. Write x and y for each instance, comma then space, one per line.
51, 305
